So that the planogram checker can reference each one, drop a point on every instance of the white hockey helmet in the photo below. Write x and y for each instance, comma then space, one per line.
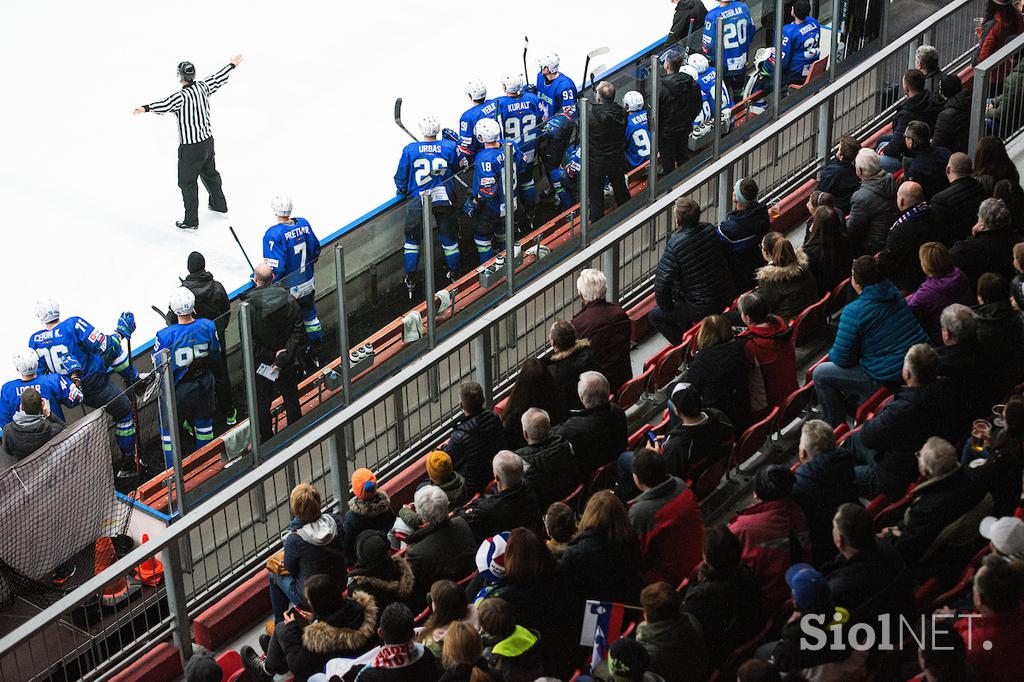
699, 62
689, 71
633, 101
513, 83
26, 362
182, 301
281, 205
476, 90
47, 310
549, 61
487, 130
430, 126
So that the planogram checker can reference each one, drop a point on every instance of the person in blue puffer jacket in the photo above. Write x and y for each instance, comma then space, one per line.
875, 332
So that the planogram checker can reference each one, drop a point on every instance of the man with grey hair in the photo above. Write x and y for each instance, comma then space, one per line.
926, 60
963, 360
511, 504
598, 431
873, 206
442, 548
607, 152
551, 468
958, 204
900, 258
990, 247
824, 481
606, 326
944, 497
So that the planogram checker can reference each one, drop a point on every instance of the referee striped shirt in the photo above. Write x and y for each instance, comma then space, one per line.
191, 106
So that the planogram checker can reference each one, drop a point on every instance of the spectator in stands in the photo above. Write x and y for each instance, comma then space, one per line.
694, 266
597, 433
570, 357
824, 481
602, 560
535, 387
513, 503
927, 162
401, 657
963, 361
944, 286
741, 233
953, 124
33, 426
786, 283
560, 525
828, 253
606, 326
333, 627
1017, 284
441, 474
945, 495
992, 164
756, 670
872, 207
448, 607
1004, 111
990, 249
919, 105
369, 508
551, 467
314, 545
462, 657
958, 204
770, 355
999, 621
915, 226
1000, 330
444, 548
725, 598
476, 438
1013, 197
606, 149
839, 176
719, 370
942, 654
773, 532
875, 331
388, 579
1005, 535
868, 577
687, 18
1001, 467
679, 102
672, 637
1002, 22
926, 60
667, 520
513, 651
699, 438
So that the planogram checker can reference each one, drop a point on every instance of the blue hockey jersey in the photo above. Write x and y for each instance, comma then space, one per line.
488, 176
520, 118
192, 345
470, 145
54, 388
737, 35
93, 349
556, 95
291, 248
706, 81
428, 167
638, 139
800, 49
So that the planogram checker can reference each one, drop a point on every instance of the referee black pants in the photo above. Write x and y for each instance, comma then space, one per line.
196, 161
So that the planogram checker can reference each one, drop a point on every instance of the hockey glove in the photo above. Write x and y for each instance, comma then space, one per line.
470, 207
72, 367
531, 88
449, 134
126, 325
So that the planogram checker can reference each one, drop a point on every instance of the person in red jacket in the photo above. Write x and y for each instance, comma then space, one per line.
770, 355
1002, 22
994, 634
667, 519
773, 532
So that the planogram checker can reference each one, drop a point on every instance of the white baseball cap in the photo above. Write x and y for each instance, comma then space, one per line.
1006, 534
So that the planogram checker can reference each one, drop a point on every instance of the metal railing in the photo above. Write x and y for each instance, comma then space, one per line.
225, 538
997, 100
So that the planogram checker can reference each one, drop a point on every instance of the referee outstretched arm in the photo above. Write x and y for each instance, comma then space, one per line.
196, 159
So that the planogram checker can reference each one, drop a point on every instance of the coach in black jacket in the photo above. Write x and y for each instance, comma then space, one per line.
607, 149
693, 279
686, 10
679, 100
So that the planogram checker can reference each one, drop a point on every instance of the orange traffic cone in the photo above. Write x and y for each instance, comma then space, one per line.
151, 571
117, 591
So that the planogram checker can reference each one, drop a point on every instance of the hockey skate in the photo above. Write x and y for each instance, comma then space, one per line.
182, 225
410, 284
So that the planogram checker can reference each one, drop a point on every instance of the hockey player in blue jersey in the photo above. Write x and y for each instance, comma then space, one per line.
290, 248
705, 77
801, 41
482, 108
556, 90
77, 350
638, 138
487, 205
57, 390
738, 32
427, 167
193, 347
520, 119
555, 135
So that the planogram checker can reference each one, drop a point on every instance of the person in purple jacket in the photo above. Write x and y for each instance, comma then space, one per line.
945, 285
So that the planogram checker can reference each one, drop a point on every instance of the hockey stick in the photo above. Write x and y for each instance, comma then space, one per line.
242, 248
526, 46
158, 312
398, 122
597, 52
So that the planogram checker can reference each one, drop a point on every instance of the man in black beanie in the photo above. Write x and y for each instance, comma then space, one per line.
212, 304
203, 668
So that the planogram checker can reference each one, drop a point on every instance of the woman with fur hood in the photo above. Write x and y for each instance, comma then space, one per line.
786, 283
386, 578
369, 509
570, 357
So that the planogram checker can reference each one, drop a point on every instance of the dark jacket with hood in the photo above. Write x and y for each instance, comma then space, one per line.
372, 514
305, 650
676, 647
1001, 335
566, 366
551, 468
772, 362
681, 26
391, 582
276, 324
741, 233
788, 289
597, 434
823, 484
953, 123
830, 266
473, 443
987, 251
720, 373
443, 551
689, 449
928, 168
29, 432
899, 258
679, 102
972, 372
693, 270
730, 609
608, 135
872, 581
211, 300
314, 548
607, 327
921, 107
839, 178
872, 212
503, 510
935, 504
600, 569
958, 205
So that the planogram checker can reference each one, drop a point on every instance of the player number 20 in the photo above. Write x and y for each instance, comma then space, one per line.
184, 356
525, 126
734, 34
427, 167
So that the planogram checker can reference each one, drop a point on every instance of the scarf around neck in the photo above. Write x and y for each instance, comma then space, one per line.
398, 655
911, 213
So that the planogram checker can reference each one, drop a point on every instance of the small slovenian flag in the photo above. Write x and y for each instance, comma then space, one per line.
607, 630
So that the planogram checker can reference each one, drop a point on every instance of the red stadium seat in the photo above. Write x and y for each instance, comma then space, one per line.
892, 513
809, 377
230, 663
753, 438
668, 366
708, 481
817, 68
794, 405
809, 323
633, 390
656, 358
603, 477
573, 498
871, 405
634, 441
838, 298
966, 578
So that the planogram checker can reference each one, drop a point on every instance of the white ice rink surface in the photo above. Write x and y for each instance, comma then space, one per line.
91, 191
